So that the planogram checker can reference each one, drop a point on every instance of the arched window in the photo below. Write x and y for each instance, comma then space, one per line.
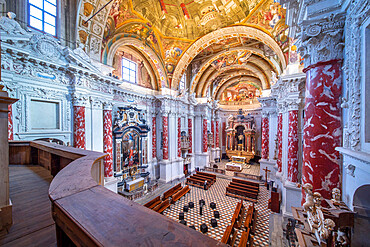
129, 69
42, 15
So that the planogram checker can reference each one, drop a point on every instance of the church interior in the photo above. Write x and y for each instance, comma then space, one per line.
184, 122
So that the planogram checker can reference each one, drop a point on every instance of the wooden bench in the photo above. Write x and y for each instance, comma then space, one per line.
242, 194
180, 194
153, 203
251, 219
247, 186
161, 207
253, 193
242, 181
207, 174
229, 236
244, 239
197, 182
209, 179
238, 216
171, 191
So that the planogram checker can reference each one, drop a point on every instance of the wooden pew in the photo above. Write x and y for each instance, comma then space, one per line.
207, 174
254, 184
242, 187
180, 194
227, 233
153, 203
247, 186
197, 182
251, 219
242, 194
161, 207
209, 180
171, 191
244, 239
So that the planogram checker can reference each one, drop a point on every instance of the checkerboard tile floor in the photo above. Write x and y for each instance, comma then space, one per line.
226, 206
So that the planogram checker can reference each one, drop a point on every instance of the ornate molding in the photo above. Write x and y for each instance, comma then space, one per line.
80, 99
321, 40
350, 169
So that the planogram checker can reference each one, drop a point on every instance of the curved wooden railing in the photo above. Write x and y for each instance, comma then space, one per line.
87, 214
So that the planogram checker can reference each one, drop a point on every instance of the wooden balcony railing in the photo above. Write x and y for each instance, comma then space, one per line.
87, 214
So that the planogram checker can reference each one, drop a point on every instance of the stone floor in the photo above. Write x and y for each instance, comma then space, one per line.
226, 206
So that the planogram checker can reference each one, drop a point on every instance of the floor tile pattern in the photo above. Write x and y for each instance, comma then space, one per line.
226, 206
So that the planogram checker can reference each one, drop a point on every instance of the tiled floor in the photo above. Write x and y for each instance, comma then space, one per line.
226, 206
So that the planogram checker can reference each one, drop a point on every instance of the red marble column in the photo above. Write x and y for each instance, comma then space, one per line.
179, 137
293, 147
154, 137
165, 137
205, 138
213, 132
224, 134
322, 129
79, 132
217, 134
280, 142
10, 123
108, 143
190, 130
265, 138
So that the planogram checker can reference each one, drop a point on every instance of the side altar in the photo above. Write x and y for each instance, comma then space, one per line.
241, 136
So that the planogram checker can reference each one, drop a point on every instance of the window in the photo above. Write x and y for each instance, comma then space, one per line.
42, 15
129, 70
44, 114
182, 82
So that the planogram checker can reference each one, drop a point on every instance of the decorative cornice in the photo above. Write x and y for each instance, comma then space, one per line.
321, 40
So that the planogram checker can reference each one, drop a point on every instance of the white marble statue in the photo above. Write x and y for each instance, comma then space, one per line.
81, 53
10, 26
336, 196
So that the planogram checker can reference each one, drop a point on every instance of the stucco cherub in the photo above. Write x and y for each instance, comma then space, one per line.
309, 196
336, 196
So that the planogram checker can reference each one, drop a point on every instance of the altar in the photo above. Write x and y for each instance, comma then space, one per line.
236, 164
134, 184
241, 136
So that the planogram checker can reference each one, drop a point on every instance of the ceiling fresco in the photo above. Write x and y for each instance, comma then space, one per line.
171, 27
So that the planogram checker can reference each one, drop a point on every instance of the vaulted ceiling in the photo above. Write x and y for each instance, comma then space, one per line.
222, 42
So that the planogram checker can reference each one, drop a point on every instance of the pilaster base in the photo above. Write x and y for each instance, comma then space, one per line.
291, 197
111, 183
269, 164
201, 160
171, 170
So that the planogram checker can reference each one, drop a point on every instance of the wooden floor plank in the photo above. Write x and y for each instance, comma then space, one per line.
32, 221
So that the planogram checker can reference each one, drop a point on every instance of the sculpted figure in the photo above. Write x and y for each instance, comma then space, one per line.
10, 26
325, 231
342, 238
309, 197
336, 196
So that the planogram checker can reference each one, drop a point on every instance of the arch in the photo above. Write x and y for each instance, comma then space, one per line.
201, 89
220, 34
222, 87
361, 197
254, 51
122, 40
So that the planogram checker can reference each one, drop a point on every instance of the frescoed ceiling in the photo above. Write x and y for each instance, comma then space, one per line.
169, 31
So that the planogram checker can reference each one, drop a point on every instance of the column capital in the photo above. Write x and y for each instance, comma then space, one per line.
80, 99
321, 39
294, 104
107, 105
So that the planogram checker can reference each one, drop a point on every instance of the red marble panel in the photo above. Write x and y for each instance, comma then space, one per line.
179, 137
280, 142
10, 123
154, 138
79, 132
322, 131
108, 143
293, 147
265, 138
190, 130
224, 134
205, 139
217, 134
165, 137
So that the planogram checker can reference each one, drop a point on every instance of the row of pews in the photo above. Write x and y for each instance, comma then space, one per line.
243, 189
159, 204
248, 228
198, 180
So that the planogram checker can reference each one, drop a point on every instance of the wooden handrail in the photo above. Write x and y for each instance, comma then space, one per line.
89, 215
